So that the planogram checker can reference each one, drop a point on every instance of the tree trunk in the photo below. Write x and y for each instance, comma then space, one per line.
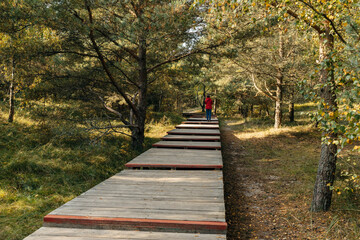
138, 132
204, 96
327, 165
291, 112
279, 85
11, 95
278, 102
215, 102
160, 103
267, 110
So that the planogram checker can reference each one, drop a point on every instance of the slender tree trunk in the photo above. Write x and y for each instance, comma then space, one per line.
204, 96
215, 102
327, 165
160, 103
11, 95
279, 85
291, 112
267, 110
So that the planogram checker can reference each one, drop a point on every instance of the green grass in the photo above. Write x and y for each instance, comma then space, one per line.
44, 164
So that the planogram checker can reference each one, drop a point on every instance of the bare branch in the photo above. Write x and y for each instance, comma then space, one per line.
260, 90
132, 53
102, 60
179, 57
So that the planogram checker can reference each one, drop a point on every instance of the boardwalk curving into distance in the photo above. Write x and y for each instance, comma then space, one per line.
157, 202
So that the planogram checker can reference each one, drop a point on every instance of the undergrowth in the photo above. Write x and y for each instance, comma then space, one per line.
48, 157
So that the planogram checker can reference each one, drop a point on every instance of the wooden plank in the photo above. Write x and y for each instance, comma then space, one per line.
135, 223
197, 126
142, 200
53, 233
201, 119
127, 198
155, 152
161, 158
173, 166
201, 122
208, 132
187, 145
190, 138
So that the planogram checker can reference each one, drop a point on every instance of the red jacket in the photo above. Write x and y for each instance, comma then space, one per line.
208, 103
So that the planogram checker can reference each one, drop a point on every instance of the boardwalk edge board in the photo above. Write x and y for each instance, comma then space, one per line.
46, 233
185, 146
136, 223
172, 166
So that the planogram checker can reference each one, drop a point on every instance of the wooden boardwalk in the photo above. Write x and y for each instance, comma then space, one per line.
201, 119
155, 202
200, 122
188, 145
146, 200
198, 132
197, 126
177, 159
55, 233
190, 138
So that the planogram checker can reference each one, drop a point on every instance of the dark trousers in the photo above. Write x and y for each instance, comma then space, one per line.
208, 114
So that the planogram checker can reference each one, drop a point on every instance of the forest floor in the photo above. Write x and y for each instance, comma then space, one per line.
269, 176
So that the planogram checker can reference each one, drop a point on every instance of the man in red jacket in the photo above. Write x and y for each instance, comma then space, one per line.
208, 106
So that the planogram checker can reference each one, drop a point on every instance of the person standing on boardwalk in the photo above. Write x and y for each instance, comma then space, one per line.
208, 107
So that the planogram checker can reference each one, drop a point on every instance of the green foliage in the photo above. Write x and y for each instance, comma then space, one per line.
45, 164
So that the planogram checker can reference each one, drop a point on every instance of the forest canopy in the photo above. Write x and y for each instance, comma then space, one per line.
116, 67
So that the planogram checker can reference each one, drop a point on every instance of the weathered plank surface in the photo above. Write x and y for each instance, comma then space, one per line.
53, 233
200, 122
201, 119
190, 138
188, 145
176, 158
155, 152
157, 200
198, 126
209, 132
